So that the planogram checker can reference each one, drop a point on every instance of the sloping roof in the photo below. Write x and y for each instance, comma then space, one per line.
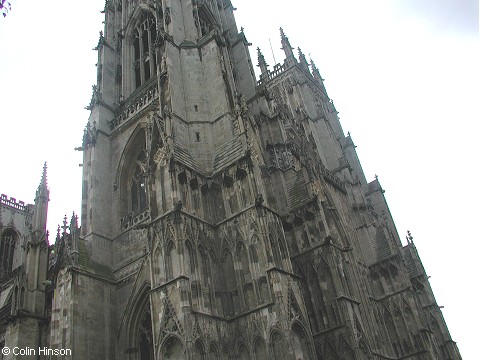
227, 153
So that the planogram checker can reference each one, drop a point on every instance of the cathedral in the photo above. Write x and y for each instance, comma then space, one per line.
224, 216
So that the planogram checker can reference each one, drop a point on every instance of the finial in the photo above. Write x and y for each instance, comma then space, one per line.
409, 237
43, 181
348, 133
303, 60
262, 64
42, 190
287, 48
65, 227
73, 222
316, 73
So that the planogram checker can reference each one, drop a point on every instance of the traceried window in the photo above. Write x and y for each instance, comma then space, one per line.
7, 247
145, 57
206, 21
138, 187
145, 337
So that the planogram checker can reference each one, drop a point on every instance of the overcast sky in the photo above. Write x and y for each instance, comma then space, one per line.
403, 74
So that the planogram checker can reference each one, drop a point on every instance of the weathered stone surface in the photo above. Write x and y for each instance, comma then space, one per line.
222, 217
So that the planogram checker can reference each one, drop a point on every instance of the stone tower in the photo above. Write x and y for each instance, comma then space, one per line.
23, 270
225, 217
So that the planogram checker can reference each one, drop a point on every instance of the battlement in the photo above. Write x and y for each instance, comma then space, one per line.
12, 202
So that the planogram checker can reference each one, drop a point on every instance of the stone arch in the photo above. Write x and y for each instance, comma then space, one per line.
140, 50
331, 353
243, 353
205, 275
282, 242
391, 331
131, 175
246, 280
172, 349
213, 352
308, 296
409, 318
278, 345
301, 347
275, 255
259, 349
327, 286
217, 282
257, 252
199, 350
172, 261
139, 333
345, 350
156, 263
226, 352
230, 284
189, 260
319, 294
8, 242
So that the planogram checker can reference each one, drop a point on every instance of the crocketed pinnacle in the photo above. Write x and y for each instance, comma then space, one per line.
43, 187
262, 64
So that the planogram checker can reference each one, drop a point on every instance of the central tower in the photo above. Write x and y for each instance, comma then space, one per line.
224, 217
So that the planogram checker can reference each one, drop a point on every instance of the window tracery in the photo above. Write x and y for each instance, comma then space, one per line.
145, 337
145, 55
138, 186
7, 249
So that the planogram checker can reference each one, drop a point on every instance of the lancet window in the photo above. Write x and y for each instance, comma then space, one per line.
145, 56
138, 186
145, 337
205, 21
7, 248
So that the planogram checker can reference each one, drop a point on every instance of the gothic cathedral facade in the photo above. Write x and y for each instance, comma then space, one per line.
223, 216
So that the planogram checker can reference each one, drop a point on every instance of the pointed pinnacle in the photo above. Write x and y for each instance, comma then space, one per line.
42, 189
302, 56
43, 181
261, 58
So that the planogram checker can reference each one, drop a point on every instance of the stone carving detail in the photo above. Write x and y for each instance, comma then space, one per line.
170, 322
135, 105
280, 156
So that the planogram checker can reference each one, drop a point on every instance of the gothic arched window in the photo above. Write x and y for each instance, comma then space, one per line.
145, 57
260, 349
145, 336
138, 185
300, 343
7, 248
172, 349
279, 348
